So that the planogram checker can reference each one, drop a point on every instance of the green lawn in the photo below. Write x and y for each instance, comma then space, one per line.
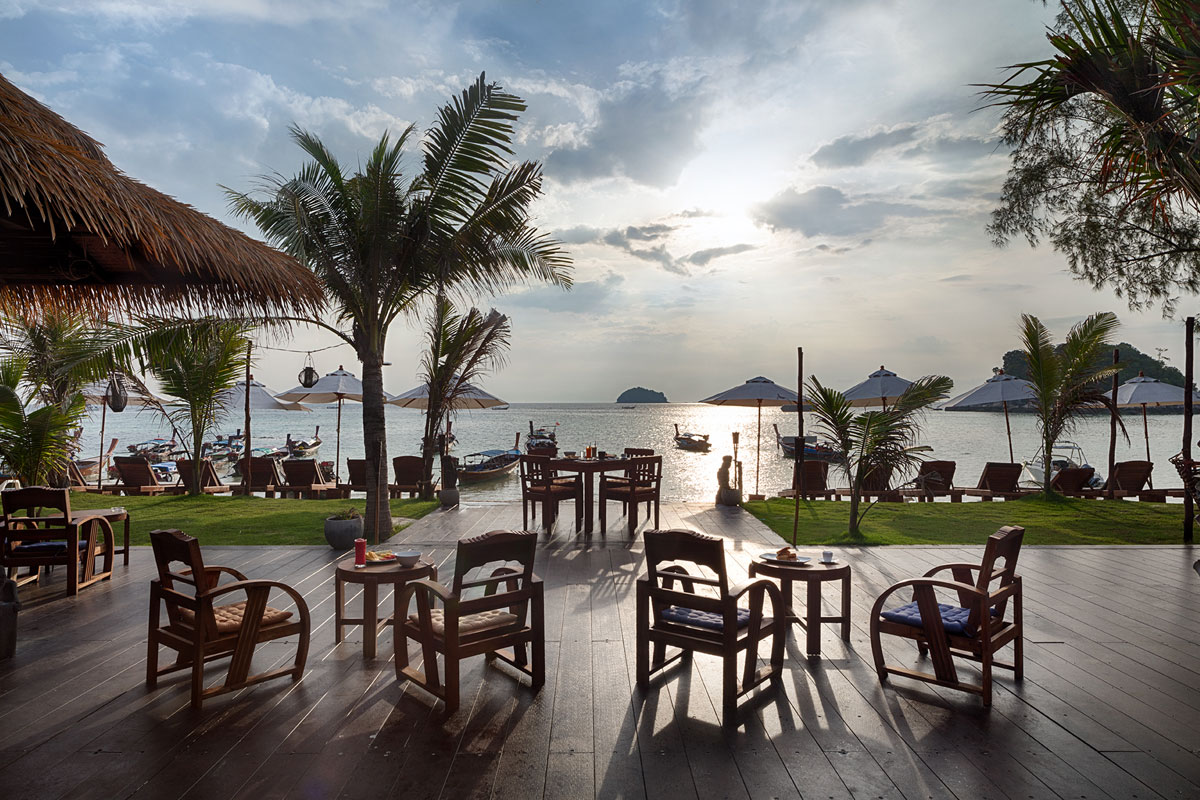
238, 520
1058, 521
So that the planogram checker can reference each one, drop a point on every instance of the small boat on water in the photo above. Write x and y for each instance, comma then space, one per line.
488, 464
813, 449
304, 448
542, 440
696, 442
1065, 454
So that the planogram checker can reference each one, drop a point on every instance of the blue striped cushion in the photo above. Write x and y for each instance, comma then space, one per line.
703, 619
954, 618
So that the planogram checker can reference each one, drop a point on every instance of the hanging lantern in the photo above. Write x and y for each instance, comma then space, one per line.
308, 376
116, 395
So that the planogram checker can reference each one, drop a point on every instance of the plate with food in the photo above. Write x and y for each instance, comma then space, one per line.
380, 556
784, 555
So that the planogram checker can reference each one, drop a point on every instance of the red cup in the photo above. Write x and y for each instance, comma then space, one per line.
360, 552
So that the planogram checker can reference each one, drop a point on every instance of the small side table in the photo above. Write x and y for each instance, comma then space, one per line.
370, 577
813, 574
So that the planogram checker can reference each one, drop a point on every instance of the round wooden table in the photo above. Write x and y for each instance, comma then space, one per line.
370, 577
812, 573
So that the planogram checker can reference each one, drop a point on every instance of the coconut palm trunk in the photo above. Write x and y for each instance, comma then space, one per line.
378, 519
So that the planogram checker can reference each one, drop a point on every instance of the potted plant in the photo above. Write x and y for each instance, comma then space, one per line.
342, 528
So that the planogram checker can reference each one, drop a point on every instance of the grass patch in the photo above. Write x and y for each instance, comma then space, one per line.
239, 520
1055, 521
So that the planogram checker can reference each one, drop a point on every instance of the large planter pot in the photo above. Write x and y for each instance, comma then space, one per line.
449, 497
341, 533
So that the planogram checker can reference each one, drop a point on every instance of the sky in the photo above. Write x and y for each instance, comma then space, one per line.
731, 179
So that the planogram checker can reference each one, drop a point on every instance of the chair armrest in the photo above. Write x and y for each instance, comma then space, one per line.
964, 589
943, 567
760, 584
249, 585
427, 586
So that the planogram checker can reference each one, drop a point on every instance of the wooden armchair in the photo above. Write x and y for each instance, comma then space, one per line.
709, 623
934, 479
137, 476
508, 614
642, 483
210, 481
410, 475
201, 631
998, 479
304, 478
39, 531
974, 630
540, 484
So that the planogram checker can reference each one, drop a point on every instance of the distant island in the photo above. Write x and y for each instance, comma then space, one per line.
639, 395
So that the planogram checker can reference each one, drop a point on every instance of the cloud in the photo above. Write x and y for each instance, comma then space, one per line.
826, 210
956, 279
931, 140
854, 150
702, 257
585, 297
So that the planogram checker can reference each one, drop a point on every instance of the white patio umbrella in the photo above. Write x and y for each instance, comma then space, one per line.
1000, 388
337, 386
1143, 391
96, 393
470, 397
755, 393
260, 398
881, 387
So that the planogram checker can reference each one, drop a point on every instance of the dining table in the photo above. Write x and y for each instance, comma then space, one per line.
587, 469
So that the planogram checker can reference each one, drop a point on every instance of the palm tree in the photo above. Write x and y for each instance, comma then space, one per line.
875, 444
380, 241
62, 352
1068, 379
35, 442
462, 348
196, 362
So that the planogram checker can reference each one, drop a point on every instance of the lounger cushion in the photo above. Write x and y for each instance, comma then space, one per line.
229, 618
954, 618
471, 623
703, 619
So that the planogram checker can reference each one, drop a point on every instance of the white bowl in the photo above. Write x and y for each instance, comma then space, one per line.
408, 558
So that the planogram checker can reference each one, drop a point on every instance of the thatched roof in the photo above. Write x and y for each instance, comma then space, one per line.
77, 233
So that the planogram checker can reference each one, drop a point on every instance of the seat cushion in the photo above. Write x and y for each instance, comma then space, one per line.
48, 548
471, 623
954, 618
703, 619
229, 618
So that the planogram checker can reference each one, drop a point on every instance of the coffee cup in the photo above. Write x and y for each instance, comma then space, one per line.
827, 557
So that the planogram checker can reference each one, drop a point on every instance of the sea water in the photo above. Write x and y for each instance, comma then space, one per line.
969, 438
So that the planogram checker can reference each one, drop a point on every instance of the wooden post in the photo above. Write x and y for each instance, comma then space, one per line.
1112, 427
1188, 375
798, 485
100, 461
246, 438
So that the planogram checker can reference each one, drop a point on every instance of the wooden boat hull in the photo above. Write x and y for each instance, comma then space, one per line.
494, 467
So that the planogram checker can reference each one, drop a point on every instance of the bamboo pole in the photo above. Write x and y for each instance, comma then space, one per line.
1112, 428
246, 438
1188, 509
798, 485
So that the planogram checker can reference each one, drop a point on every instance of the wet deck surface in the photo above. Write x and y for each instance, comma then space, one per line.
1109, 708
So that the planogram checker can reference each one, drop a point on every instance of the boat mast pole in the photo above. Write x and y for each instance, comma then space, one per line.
798, 480
246, 439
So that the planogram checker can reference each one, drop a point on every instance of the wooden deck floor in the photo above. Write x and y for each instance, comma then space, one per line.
1110, 707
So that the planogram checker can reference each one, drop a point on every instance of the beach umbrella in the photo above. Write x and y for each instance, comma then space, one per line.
469, 396
260, 398
119, 394
1143, 391
336, 387
755, 393
1001, 388
881, 387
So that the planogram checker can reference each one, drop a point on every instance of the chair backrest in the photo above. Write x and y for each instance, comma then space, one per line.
75, 476
408, 469
1071, 479
666, 549
208, 474
1002, 546
816, 476
180, 588
644, 470
135, 471
262, 471
1130, 476
502, 547
301, 472
999, 476
936, 476
357, 469
26, 517
877, 480
536, 472
638, 451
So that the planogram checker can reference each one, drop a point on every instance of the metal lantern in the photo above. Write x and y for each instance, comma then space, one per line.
116, 396
308, 376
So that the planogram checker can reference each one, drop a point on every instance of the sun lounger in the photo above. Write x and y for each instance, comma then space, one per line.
934, 479
1128, 479
1071, 481
137, 476
263, 474
304, 479
816, 476
875, 487
409, 471
210, 481
998, 479
78, 483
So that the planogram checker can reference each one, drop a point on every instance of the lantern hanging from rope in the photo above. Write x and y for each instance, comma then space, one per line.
308, 376
116, 396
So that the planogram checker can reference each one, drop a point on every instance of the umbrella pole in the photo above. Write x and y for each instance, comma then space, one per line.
758, 448
1146, 430
798, 485
1112, 428
100, 459
246, 438
337, 457
1008, 428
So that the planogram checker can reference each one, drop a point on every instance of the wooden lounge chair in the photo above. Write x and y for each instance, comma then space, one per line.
506, 611
210, 481
816, 482
974, 629
137, 476
263, 474
540, 484
709, 622
934, 479
305, 480
642, 483
356, 476
409, 472
876, 486
1071, 481
999, 479
1128, 479
78, 483
201, 631
39, 531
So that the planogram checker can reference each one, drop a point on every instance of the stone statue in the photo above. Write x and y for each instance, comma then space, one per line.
727, 495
